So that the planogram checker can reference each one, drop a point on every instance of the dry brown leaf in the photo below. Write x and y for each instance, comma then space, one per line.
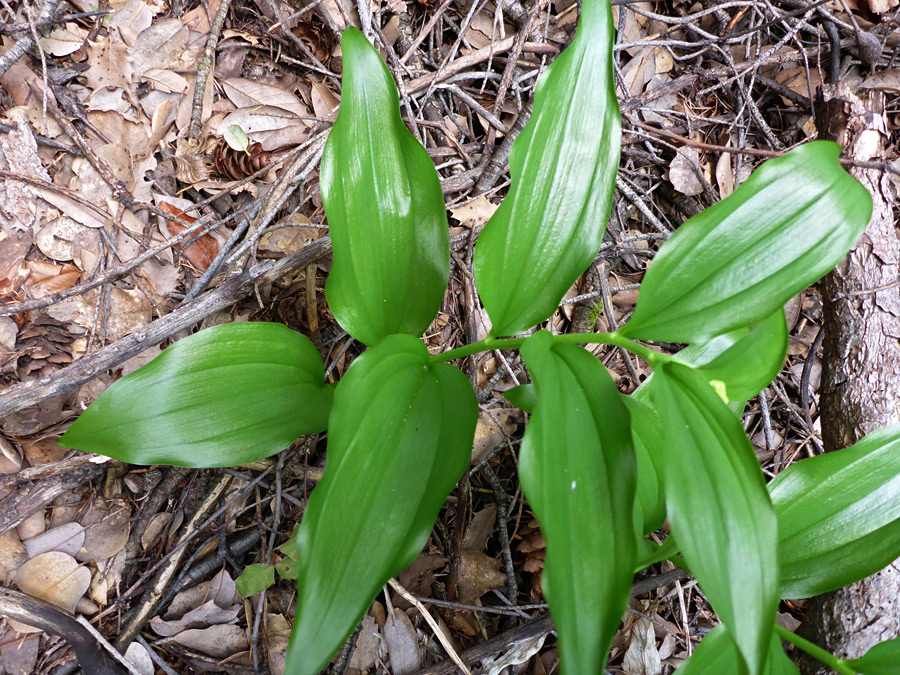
203, 250
247, 94
475, 213
19, 654
161, 45
480, 528
724, 175
682, 173
207, 614
642, 657
67, 538
402, 643
110, 63
133, 17
12, 555
107, 524
62, 41
478, 574
324, 101
493, 427
278, 633
55, 577
20, 150
139, 658
218, 641
55, 239
367, 645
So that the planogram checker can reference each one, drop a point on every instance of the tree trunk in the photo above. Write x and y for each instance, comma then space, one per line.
861, 368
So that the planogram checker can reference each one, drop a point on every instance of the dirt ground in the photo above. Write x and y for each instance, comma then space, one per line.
113, 126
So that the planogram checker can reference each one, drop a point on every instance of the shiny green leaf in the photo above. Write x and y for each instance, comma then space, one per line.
385, 208
649, 449
399, 438
577, 470
255, 579
882, 659
523, 397
717, 654
740, 260
228, 395
718, 507
563, 166
742, 362
839, 515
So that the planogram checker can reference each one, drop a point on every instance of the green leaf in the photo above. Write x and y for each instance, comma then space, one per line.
838, 515
649, 448
744, 361
563, 166
718, 507
399, 438
742, 259
236, 138
523, 397
228, 395
717, 653
385, 208
577, 469
882, 659
255, 579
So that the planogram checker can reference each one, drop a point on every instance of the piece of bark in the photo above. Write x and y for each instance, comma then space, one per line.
861, 368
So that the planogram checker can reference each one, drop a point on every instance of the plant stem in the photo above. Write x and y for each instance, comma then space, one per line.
829, 659
652, 357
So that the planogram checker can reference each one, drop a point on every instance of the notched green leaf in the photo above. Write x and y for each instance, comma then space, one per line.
718, 507
385, 208
838, 515
742, 259
228, 395
563, 166
399, 438
744, 361
577, 469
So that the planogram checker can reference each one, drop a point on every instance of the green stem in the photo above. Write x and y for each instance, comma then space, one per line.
829, 659
652, 357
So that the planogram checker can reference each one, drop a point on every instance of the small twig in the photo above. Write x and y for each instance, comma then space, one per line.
108, 647
204, 67
27, 41
439, 634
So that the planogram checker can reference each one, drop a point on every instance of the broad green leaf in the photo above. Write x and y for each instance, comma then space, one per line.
228, 395
743, 361
236, 138
523, 397
399, 438
882, 659
718, 507
717, 653
740, 260
649, 448
563, 166
255, 579
839, 515
577, 469
385, 208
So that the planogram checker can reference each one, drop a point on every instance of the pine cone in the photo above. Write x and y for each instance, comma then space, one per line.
235, 164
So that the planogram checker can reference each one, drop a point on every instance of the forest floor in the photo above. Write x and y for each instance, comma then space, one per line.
114, 128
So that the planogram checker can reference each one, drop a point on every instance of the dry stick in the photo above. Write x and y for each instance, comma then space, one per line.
886, 166
125, 268
26, 42
51, 619
439, 634
204, 67
466, 62
91, 365
155, 596
534, 629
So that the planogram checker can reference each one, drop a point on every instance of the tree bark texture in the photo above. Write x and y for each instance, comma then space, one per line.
861, 368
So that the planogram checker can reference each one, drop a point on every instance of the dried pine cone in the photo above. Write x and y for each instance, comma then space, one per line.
235, 164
